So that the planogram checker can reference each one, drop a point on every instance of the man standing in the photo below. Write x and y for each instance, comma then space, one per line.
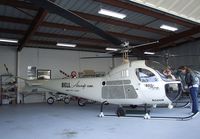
193, 84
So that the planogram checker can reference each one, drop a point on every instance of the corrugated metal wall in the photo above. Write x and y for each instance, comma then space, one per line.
189, 55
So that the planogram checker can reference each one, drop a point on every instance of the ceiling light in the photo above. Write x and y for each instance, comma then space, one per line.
112, 13
166, 27
66, 44
149, 53
111, 49
8, 40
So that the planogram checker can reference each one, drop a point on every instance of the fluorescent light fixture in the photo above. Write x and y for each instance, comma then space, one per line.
66, 44
149, 53
166, 27
111, 49
112, 13
8, 40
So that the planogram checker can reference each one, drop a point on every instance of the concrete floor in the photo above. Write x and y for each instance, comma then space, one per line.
61, 121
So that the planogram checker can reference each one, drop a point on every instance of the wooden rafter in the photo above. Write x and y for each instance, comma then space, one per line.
163, 42
120, 23
73, 28
33, 27
88, 47
20, 4
12, 31
78, 28
15, 20
55, 35
98, 18
171, 39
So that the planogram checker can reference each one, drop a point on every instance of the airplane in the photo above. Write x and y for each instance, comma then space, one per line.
139, 82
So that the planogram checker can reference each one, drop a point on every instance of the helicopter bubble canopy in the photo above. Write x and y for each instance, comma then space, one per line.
172, 87
159, 68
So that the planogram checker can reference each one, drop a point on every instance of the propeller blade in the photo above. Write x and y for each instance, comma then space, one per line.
69, 15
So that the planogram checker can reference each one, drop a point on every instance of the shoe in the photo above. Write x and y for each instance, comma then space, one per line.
191, 113
195, 114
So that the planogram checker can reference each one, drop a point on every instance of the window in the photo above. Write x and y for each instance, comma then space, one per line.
125, 73
31, 72
43, 74
145, 75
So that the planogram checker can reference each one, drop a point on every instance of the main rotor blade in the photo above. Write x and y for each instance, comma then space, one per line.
113, 56
54, 8
135, 46
96, 57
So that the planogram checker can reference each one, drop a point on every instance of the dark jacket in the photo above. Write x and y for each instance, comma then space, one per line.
191, 78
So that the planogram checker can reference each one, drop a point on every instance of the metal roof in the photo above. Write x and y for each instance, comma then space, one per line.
16, 12
21, 20
183, 8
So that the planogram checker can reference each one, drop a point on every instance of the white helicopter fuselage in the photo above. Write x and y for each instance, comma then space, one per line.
120, 86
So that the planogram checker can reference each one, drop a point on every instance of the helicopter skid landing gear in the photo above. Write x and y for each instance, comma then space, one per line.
101, 111
101, 114
147, 115
121, 112
170, 106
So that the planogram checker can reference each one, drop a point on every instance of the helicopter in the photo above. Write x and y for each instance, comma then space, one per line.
139, 82
135, 83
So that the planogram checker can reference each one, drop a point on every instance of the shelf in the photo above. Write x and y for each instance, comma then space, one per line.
8, 89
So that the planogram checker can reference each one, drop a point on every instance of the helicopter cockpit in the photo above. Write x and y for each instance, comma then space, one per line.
173, 88
159, 68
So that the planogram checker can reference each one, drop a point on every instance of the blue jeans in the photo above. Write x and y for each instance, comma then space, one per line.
195, 104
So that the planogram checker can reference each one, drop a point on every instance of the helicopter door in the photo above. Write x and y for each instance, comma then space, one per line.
149, 85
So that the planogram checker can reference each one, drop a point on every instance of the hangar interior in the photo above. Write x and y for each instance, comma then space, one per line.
33, 39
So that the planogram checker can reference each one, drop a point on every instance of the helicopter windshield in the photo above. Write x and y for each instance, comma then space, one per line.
159, 68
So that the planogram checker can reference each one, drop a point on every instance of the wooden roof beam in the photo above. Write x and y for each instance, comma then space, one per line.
11, 31
78, 28
72, 27
15, 20
33, 27
54, 35
164, 42
19, 4
96, 18
68, 37
120, 23
87, 47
